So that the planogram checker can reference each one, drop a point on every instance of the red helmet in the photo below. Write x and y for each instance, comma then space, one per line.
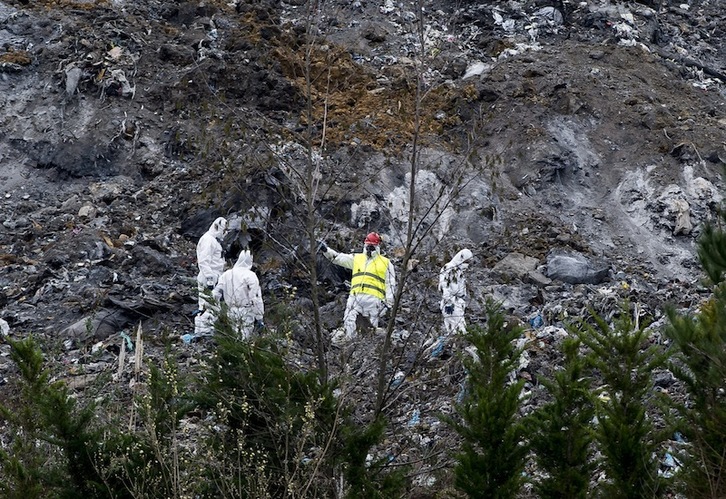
373, 238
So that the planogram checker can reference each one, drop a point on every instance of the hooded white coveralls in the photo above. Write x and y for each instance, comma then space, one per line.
210, 259
240, 289
452, 285
365, 302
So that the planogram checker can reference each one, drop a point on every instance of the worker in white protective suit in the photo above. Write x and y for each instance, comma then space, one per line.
372, 285
210, 259
239, 289
452, 285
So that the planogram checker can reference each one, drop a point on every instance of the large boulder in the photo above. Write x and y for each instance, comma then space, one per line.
576, 268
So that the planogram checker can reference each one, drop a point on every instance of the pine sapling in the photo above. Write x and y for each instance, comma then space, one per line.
622, 356
700, 363
48, 415
492, 457
561, 436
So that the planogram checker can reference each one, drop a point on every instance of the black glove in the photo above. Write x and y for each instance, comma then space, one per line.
259, 326
210, 287
322, 247
449, 309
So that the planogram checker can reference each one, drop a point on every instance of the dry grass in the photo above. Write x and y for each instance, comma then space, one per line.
19, 57
354, 105
71, 4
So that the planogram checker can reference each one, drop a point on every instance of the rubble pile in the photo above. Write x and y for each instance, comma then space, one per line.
576, 149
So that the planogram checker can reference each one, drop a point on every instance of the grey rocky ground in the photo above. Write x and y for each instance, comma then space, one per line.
592, 129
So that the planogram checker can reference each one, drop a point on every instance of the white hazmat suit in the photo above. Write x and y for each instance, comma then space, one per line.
452, 285
369, 304
239, 288
210, 259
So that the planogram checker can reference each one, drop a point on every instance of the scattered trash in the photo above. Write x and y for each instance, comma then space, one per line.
118, 85
476, 69
536, 322
425, 480
463, 392
415, 418
189, 338
398, 379
669, 466
4, 327
550, 14
399, 337
387, 7
129, 343
436, 348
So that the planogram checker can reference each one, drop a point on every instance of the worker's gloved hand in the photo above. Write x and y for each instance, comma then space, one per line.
211, 281
259, 326
449, 309
322, 247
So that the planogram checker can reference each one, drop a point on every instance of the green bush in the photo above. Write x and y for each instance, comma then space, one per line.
54, 445
368, 480
624, 359
278, 420
700, 363
560, 432
492, 458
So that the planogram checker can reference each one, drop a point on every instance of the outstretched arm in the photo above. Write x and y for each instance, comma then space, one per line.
390, 284
342, 259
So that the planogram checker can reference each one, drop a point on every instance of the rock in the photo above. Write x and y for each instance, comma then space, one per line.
96, 327
523, 267
150, 261
73, 75
575, 268
107, 192
516, 264
87, 211
374, 33
664, 380
683, 223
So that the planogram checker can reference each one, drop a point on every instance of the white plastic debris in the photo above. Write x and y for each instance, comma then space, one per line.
628, 17
387, 7
4, 327
555, 332
550, 14
475, 69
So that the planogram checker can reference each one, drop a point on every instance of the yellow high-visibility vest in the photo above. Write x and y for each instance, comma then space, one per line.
369, 278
